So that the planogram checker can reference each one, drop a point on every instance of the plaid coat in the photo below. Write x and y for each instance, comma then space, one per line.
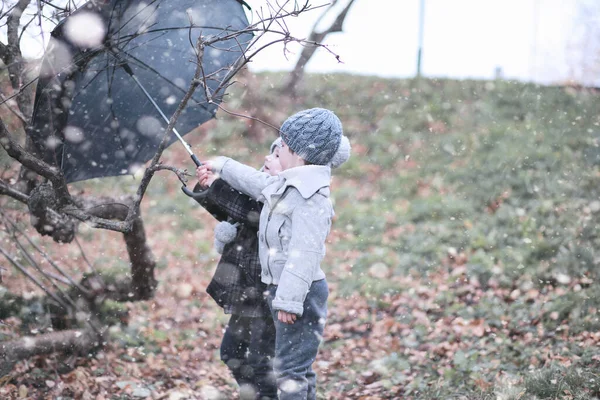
236, 284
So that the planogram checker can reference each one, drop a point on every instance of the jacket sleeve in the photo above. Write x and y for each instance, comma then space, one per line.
244, 178
310, 227
238, 206
208, 202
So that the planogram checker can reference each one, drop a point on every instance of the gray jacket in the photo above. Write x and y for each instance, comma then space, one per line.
293, 226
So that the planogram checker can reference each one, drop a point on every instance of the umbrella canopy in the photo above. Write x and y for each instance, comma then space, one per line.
115, 69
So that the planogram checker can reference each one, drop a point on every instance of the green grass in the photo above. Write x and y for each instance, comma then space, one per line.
439, 158
525, 145
503, 176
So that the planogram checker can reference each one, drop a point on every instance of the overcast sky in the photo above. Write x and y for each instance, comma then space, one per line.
528, 39
531, 40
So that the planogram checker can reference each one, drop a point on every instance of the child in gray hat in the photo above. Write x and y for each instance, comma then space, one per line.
294, 223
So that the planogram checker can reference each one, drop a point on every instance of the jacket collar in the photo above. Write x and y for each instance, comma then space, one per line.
307, 179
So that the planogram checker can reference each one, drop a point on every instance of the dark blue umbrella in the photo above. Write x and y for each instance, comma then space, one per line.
115, 70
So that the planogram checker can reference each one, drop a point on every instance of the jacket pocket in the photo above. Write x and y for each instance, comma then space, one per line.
272, 236
285, 234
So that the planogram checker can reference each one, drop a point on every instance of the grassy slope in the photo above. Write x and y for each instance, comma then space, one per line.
467, 213
485, 193
463, 258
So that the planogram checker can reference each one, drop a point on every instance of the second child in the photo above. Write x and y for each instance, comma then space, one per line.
248, 345
294, 224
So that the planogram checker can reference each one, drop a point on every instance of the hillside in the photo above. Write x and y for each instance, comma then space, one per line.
463, 261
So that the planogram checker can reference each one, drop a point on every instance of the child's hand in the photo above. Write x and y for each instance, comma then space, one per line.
205, 176
208, 164
286, 317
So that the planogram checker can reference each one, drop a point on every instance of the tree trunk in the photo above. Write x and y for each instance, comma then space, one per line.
142, 260
314, 42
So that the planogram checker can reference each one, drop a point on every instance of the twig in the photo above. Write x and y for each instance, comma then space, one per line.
90, 266
25, 27
28, 160
15, 194
200, 57
182, 175
17, 113
66, 296
37, 282
276, 15
135, 210
199, 51
248, 117
37, 267
54, 265
23, 87
57, 278
23, 250
39, 15
24, 271
51, 4
95, 222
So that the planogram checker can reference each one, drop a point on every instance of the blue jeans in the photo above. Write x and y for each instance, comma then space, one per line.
297, 344
248, 348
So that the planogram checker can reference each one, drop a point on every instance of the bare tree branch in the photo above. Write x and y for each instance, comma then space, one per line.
263, 27
181, 174
14, 51
65, 202
15, 58
51, 201
12, 108
35, 265
80, 341
39, 284
248, 117
56, 277
149, 173
313, 43
35, 164
5, 189
54, 265
140, 255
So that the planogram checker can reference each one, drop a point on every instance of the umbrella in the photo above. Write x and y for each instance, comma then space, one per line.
115, 69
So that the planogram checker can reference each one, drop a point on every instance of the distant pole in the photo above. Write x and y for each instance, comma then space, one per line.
421, 28
533, 67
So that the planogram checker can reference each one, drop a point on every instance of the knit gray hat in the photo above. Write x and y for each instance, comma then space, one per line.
313, 134
276, 143
342, 154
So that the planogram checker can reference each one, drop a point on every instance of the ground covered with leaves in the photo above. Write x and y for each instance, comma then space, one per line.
463, 260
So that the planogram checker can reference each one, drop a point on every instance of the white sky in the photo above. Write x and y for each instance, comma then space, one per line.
532, 40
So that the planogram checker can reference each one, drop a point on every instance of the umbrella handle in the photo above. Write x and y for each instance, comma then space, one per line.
195, 159
245, 4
